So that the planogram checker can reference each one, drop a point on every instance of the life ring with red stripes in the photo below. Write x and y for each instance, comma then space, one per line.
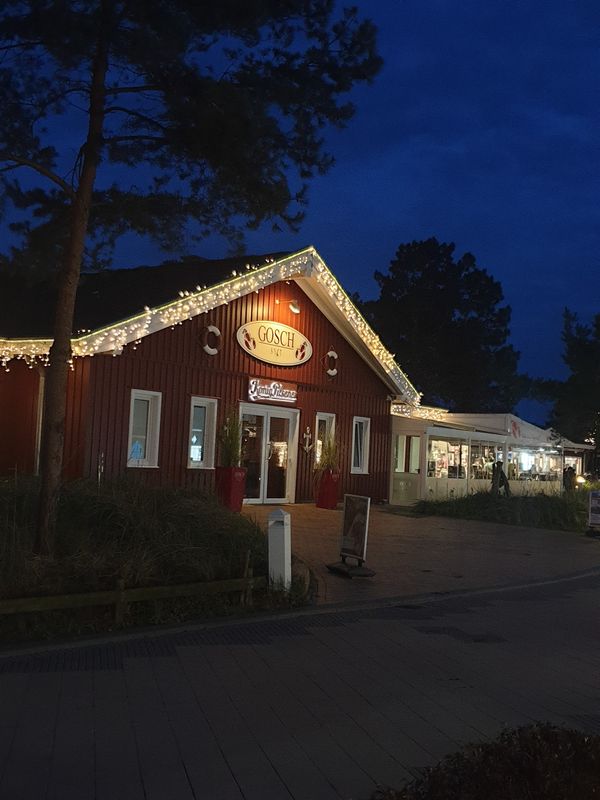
211, 340
331, 358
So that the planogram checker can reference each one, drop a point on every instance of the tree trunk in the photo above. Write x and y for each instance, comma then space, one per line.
55, 394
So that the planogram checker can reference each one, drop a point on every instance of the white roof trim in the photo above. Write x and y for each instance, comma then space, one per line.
306, 266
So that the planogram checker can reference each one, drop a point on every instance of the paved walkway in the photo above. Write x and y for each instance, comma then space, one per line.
326, 703
318, 706
431, 554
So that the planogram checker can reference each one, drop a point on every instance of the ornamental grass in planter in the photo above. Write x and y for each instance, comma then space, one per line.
327, 475
230, 478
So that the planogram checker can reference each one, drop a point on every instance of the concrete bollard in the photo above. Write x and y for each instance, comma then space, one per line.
280, 548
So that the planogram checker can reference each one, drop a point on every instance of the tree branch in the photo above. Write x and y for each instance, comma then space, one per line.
42, 170
138, 138
137, 114
133, 89
17, 45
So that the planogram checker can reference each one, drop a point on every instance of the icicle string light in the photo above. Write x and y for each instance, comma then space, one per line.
326, 278
306, 263
420, 412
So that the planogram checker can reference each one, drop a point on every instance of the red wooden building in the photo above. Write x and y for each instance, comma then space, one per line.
162, 353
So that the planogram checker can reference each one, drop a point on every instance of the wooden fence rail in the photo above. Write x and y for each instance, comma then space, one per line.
121, 597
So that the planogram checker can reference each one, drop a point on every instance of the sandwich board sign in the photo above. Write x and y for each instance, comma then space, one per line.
594, 510
355, 529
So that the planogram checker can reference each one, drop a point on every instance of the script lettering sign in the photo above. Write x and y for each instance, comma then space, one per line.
266, 391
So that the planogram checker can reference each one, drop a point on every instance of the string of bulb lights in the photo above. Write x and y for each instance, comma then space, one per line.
114, 338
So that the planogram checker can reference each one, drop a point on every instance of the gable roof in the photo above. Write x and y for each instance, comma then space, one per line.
115, 295
110, 295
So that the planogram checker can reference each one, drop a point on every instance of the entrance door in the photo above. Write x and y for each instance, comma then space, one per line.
269, 447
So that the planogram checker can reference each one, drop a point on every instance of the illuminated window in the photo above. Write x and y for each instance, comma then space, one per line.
201, 440
144, 428
483, 457
447, 458
325, 428
407, 453
361, 429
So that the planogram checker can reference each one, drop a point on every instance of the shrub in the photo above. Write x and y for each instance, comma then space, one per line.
561, 512
537, 762
124, 530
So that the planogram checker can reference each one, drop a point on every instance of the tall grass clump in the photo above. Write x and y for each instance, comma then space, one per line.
123, 531
17, 510
559, 512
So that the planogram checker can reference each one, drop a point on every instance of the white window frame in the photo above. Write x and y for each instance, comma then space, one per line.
362, 469
152, 431
210, 430
329, 420
399, 452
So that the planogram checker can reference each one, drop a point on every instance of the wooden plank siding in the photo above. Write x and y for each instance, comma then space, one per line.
19, 393
78, 414
173, 362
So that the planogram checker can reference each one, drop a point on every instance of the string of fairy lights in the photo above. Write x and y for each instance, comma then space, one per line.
114, 338
418, 412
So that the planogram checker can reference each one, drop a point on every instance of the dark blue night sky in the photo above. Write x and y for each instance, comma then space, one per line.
481, 129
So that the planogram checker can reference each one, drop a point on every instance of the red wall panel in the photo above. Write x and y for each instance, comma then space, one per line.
173, 362
78, 413
19, 392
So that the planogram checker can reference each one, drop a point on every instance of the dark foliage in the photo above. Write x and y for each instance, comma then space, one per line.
138, 117
123, 531
553, 511
537, 762
212, 112
576, 412
444, 319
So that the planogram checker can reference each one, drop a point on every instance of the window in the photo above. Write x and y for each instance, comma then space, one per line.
407, 452
144, 427
325, 428
361, 428
447, 458
483, 458
201, 440
414, 454
538, 464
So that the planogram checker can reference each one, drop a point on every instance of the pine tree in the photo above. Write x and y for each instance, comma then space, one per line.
141, 115
445, 320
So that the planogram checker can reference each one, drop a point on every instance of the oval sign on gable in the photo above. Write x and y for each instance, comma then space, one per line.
274, 343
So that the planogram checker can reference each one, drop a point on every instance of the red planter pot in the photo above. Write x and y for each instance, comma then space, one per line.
328, 490
230, 486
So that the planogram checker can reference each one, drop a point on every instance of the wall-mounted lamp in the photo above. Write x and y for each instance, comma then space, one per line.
293, 305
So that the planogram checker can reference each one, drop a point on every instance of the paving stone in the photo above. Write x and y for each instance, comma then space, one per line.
72, 767
249, 765
117, 769
207, 770
161, 767
318, 705
427, 554
29, 760
340, 770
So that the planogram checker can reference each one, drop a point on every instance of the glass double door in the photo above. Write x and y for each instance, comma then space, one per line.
269, 447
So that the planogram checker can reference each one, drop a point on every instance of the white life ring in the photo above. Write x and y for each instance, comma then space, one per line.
331, 362
211, 329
